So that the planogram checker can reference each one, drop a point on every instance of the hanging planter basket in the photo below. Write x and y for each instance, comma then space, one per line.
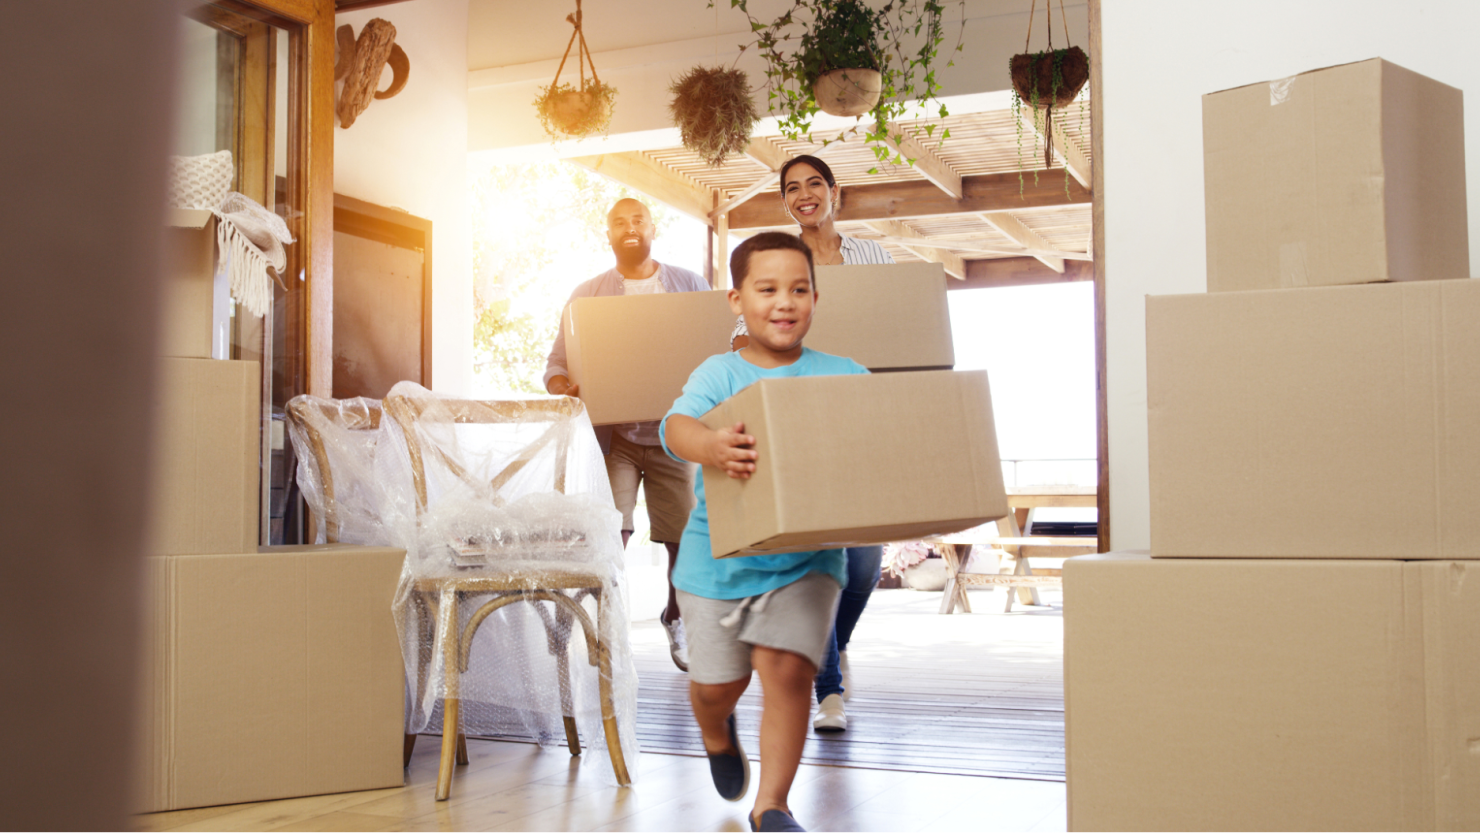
576, 112
1050, 80
714, 112
848, 92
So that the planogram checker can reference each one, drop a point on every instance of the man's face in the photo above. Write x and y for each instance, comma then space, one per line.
629, 228
776, 299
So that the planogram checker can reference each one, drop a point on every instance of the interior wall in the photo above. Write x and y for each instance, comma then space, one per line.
410, 152
1154, 219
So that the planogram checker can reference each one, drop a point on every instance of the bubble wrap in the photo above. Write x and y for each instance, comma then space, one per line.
500, 507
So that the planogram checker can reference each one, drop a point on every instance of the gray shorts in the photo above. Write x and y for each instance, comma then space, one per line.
668, 484
796, 618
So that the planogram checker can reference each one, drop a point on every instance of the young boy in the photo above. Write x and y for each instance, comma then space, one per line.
770, 613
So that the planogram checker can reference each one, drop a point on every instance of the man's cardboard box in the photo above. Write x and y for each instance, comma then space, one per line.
270, 674
885, 317
1271, 695
1348, 174
187, 293
851, 460
632, 354
1331, 422
206, 457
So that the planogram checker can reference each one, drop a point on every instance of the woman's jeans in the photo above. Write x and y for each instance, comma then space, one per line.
863, 574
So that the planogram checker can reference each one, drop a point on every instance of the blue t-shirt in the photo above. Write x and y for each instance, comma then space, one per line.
698, 571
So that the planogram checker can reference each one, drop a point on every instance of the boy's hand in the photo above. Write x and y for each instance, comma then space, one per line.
734, 451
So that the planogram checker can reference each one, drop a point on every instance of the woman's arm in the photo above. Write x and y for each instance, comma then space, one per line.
730, 448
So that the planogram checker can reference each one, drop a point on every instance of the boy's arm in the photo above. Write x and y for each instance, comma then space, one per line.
730, 449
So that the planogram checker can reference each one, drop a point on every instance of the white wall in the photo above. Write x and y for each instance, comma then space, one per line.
1159, 57
411, 152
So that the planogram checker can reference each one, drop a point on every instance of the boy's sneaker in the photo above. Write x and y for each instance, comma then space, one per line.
847, 677
831, 716
775, 820
678, 641
730, 771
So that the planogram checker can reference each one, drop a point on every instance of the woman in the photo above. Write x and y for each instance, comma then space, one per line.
810, 195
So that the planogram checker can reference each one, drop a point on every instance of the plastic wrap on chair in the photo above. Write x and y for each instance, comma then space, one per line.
506, 514
334, 440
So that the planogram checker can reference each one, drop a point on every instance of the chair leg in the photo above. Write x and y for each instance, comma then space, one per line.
462, 749
562, 670
608, 707
406, 749
449, 748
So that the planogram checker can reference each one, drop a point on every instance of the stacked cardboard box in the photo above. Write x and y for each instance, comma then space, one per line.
268, 674
1314, 441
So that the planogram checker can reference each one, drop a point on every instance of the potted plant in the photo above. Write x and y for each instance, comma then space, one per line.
842, 57
713, 111
1046, 81
574, 112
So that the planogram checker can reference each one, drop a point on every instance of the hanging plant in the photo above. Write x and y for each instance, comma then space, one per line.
842, 57
570, 112
713, 111
1044, 82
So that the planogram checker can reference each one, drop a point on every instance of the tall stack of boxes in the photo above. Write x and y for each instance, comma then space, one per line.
1298, 650
268, 672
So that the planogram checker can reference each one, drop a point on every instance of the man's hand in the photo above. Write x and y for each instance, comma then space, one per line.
561, 386
734, 451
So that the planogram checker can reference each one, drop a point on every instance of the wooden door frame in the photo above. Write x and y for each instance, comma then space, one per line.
310, 167
1097, 154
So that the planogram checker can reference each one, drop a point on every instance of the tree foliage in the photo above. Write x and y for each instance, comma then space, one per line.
538, 231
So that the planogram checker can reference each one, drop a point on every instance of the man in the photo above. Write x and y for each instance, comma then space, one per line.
633, 453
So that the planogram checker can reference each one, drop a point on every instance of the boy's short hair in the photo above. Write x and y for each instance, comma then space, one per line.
767, 241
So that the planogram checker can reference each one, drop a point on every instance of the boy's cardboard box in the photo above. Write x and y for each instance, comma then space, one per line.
1331, 422
1348, 174
206, 473
862, 459
1271, 695
632, 355
270, 674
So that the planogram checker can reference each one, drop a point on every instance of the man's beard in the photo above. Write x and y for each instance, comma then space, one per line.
628, 257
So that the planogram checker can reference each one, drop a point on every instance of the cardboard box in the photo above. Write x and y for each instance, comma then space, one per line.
270, 675
1343, 175
1271, 695
887, 317
206, 457
1332, 422
851, 460
188, 289
632, 354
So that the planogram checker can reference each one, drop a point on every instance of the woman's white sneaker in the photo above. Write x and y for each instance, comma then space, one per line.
831, 716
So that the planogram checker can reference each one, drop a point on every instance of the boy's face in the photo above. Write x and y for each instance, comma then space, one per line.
776, 300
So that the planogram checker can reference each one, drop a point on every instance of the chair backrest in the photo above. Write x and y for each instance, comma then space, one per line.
418, 417
331, 435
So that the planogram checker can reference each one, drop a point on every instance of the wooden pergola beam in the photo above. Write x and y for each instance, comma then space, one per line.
907, 200
1020, 271
926, 162
955, 266
1065, 149
1013, 229
652, 179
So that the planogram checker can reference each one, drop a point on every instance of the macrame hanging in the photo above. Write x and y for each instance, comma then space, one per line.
576, 112
1049, 80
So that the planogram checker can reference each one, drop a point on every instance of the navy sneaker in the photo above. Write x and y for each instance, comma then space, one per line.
731, 771
776, 820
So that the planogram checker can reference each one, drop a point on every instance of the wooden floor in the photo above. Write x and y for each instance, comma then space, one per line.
908, 664
519, 786
968, 695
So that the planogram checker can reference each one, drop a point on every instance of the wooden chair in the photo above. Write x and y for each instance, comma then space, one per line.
490, 587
